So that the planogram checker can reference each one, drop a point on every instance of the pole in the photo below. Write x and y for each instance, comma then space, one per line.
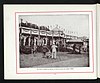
39, 35
46, 36
59, 39
52, 34
20, 28
31, 39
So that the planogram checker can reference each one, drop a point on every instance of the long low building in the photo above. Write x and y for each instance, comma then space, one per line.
40, 34
33, 35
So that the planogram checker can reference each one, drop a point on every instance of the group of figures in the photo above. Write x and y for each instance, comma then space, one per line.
46, 51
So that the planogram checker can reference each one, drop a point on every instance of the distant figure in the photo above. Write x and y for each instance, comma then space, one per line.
54, 51
79, 49
34, 50
44, 49
74, 46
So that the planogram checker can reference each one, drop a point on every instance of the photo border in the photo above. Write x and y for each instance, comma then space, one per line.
54, 72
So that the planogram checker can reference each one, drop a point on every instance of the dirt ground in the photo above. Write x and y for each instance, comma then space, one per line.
63, 59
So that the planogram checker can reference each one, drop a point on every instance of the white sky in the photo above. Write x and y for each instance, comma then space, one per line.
78, 23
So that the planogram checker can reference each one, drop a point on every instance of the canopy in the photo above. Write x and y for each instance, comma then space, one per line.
78, 41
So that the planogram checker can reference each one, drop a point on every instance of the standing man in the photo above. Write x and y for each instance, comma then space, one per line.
54, 51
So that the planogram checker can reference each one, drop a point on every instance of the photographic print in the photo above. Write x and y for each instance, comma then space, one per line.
50, 41
53, 40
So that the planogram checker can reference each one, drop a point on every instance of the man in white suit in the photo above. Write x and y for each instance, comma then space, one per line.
54, 51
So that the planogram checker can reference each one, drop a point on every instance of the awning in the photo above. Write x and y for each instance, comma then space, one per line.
77, 41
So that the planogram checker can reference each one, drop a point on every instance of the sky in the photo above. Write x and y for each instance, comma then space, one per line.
71, 24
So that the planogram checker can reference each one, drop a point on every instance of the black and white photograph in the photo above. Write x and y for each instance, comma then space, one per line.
53, 40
